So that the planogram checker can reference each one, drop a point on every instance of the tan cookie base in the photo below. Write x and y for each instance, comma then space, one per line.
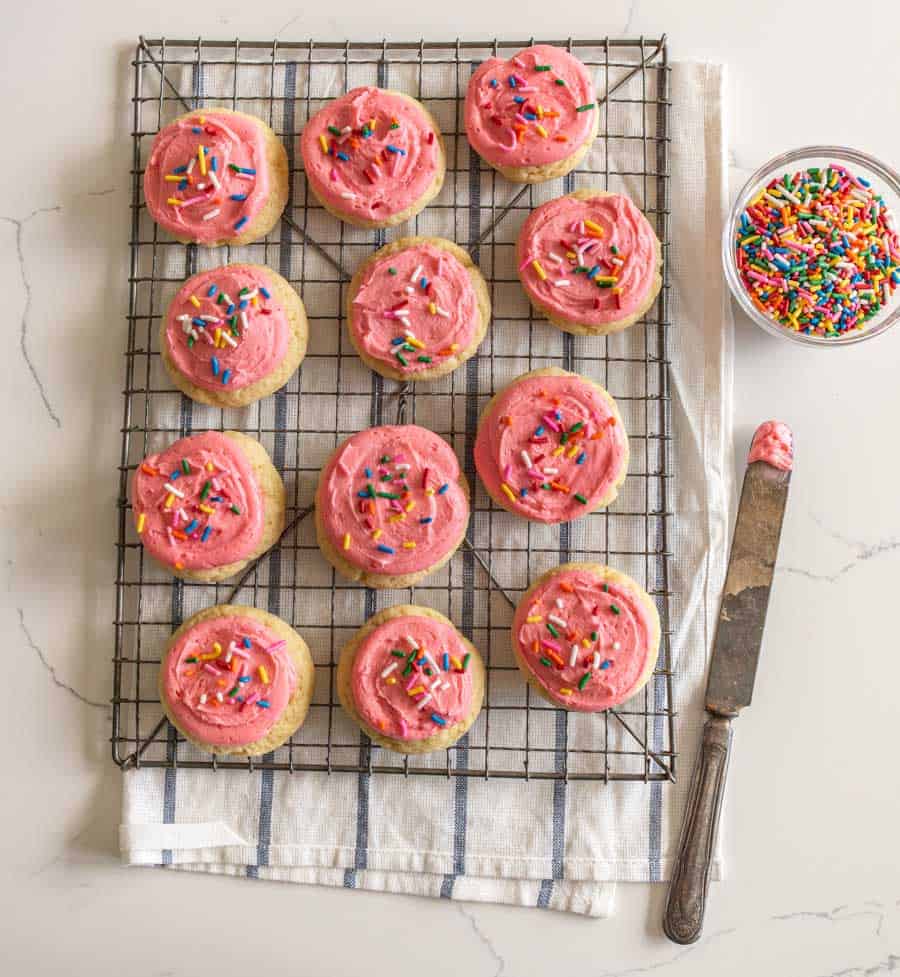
449, 363
369, 578
296, 350
272, 491
448, 735
616, 325
552, 371
606, 575
550, 171
416, 206
298, 704
279, 184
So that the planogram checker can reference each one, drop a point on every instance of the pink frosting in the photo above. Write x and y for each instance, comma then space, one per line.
591, 275
228, 141
390, 163
429, 511
517, 115
423, 290
518, 446
252, 329
414, 695
773, 443
228, 679
581, 607
218, 492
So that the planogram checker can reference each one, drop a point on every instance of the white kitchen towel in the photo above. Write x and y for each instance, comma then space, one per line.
548, 843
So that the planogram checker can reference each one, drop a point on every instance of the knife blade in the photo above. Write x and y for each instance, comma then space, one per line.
732, 671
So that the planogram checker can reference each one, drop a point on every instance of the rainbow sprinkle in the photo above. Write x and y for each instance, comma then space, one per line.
818, 251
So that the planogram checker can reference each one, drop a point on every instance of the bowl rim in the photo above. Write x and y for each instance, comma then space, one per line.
729, 262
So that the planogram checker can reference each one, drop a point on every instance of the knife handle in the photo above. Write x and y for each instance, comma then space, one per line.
686, 902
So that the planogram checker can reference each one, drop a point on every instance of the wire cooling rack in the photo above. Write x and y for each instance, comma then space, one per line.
334, 395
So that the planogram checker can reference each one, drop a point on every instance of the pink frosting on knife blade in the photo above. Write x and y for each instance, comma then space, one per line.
208, 698
429, 510
522, 419
448, 288
387, 170
399, 705
255, 334
773, 443
620, 259
230, 140
509, 103
614, 660
219, 492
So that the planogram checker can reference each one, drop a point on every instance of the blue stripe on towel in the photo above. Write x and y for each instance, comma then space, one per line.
267, 777
558, 840
185, 423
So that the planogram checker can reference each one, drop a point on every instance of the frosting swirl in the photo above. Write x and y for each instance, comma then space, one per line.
371, 153
390, 500
225, 328
590, 261
535, 109
207, 176
414, 308
411, 678
586, 636
551, 447
227, 680
197, 505
773, 443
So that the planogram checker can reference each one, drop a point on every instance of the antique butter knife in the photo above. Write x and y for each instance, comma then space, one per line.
732, 670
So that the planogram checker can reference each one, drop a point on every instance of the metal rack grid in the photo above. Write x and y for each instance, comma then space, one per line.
517, 735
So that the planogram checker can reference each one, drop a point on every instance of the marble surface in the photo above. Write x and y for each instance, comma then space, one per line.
813, 802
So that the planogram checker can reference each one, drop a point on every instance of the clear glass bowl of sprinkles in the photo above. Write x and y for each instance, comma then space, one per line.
811, 248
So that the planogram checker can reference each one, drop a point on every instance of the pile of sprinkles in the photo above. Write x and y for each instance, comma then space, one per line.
558, 445
525, 117
560, 646
387, 500
204, 180
233, 684
818, 252
190, 514
219, 321
584, 253
423, 675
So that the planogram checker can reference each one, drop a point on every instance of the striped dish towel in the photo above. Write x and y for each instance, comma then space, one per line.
554, 844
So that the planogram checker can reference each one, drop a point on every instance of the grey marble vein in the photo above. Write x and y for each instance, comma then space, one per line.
890, 965
23, 326
862, 552
485, 940
51, 669
629, 18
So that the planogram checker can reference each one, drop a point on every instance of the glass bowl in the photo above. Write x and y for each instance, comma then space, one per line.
885, 182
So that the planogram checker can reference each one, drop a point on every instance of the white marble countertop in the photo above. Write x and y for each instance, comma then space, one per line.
813, 864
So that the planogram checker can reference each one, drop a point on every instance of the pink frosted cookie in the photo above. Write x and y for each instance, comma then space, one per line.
590, 262
551, 446
533, 117
236, 680
373, 157
391, 506
233, 335
216, 177
208, 505
417, 309
773, 443
411, 680
586, 636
